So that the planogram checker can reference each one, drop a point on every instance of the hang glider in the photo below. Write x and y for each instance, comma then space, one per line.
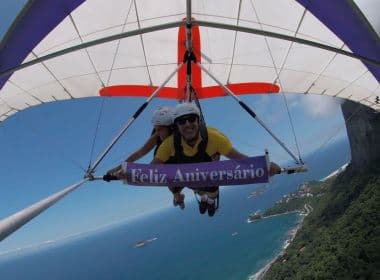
94, 47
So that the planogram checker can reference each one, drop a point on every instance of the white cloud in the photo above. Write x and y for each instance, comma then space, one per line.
320, 106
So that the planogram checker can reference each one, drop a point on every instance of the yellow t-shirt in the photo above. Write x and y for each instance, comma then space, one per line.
217, 143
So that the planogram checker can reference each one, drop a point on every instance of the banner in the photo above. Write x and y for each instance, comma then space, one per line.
251, 170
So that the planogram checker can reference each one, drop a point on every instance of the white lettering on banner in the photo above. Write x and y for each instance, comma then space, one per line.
259, 172
163, 178
221, 175
237, 173
204, 175
214, 175
152, 177
135, 174
228, 174
144, 178
178, 176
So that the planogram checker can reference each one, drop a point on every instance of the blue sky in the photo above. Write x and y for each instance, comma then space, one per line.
45, 148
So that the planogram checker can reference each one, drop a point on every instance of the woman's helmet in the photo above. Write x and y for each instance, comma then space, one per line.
185, 108
163, 116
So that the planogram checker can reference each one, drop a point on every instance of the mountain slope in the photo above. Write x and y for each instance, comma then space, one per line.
340, 239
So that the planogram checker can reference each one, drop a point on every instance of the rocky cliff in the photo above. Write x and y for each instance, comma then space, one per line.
363, 129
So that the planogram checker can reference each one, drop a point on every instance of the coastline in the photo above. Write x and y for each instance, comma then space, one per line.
280, 214
260, 275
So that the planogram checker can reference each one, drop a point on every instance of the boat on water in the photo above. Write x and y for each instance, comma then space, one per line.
142, 243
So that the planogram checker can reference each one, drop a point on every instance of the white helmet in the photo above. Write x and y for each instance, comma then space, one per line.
163, 116
185, 108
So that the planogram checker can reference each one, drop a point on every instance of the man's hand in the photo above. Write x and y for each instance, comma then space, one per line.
274, 169
113, 174
108, 177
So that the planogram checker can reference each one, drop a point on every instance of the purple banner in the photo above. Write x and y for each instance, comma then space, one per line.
251, 170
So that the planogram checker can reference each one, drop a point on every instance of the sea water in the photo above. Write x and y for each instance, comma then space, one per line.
184, 244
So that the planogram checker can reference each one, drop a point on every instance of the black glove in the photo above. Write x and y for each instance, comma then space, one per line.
108, 177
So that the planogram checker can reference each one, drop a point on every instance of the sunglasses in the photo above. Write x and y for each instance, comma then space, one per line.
190, 119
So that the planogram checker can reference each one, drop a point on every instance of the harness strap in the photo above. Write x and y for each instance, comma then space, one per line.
199, 156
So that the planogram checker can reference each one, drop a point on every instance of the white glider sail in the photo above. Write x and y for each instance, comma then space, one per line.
147, 59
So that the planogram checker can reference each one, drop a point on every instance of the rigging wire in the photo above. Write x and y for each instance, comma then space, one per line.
91, 170
102, 84
142, 43
260, 148
101, 107
95, 136
351, 83
86, 50
251, 113
109, 76
234, 45
292, 126
278, 72
54, 76
24, 91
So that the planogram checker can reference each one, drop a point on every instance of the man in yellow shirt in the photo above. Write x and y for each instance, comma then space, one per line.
192, 143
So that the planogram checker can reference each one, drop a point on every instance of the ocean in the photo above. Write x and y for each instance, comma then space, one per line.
183, 244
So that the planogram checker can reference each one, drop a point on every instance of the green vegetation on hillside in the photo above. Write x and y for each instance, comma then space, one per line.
308, 193
340, 238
